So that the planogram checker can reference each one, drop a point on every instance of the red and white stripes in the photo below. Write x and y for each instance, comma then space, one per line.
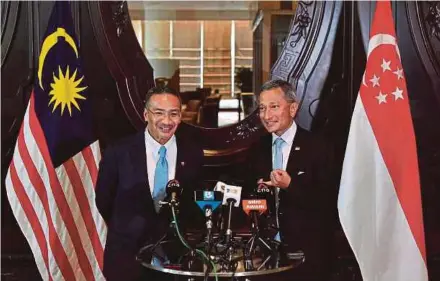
55, 208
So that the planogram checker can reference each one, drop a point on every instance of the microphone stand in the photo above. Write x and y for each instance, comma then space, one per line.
228, 229
208, 216
226, 260
254, 240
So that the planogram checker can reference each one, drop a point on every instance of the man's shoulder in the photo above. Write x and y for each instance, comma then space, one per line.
310, 137
127, 141
187, 136
314, 143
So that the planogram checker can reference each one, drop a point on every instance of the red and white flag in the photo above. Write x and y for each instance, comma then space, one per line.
51, 180
379, 200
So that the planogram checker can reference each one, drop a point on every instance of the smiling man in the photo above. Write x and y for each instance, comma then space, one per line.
132, 178
293, 162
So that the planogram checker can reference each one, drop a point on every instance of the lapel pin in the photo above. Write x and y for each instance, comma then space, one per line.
182, 163
297, 148
300, 173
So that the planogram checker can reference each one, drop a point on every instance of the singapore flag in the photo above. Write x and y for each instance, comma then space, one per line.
379, 200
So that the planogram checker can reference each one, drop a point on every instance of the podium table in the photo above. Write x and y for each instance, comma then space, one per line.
189, 267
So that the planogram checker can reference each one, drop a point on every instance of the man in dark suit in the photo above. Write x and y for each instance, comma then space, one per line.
293, 162
132, 178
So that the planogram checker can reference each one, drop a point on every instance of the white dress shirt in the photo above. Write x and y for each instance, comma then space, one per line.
288, 137
152, 150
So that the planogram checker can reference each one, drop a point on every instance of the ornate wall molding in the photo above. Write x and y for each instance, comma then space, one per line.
120, 16
134, 76
424, 23
433, 17
124, 57
301, 23
8, 25
306, 57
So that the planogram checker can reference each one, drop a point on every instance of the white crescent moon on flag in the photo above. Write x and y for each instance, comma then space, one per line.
376, 41
363, 80
381, 39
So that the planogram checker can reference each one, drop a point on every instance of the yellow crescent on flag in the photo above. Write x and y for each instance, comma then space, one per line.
48, 43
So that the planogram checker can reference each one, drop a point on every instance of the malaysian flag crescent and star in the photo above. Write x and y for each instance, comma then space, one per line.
51, 179
379, 204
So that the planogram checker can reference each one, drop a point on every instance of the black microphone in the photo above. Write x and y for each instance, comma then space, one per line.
173, 191
208, 201
231, 198
264, 192
253, 207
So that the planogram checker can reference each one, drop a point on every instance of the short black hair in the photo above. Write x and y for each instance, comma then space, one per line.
159, 90
285, 86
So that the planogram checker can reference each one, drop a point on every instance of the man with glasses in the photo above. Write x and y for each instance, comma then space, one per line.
292, 162
132, 179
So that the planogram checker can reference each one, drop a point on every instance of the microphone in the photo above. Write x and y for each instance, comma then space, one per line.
231, 198
220, 186
173, 191
264, 192
254, 208
208, 201
232, 195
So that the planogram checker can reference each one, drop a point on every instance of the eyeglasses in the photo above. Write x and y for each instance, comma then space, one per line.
161, 114
272, 108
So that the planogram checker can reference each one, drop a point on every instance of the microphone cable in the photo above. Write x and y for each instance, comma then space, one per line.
200, 252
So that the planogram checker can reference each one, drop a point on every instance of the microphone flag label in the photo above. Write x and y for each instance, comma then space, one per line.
208, 199
259, 205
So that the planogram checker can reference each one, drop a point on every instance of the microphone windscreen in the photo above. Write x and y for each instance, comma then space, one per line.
263, 190
174, 186
232, 193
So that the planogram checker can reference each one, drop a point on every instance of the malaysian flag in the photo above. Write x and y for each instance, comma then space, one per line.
51, 178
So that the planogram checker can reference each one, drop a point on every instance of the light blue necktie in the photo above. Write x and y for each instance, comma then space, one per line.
160, 178
278, 155
278, 164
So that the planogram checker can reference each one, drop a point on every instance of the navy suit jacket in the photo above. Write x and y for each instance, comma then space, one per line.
304, 205
124, 200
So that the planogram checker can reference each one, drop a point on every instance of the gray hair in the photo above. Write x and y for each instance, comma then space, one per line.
286, 87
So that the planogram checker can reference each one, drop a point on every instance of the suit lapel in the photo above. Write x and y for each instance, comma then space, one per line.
138, 156
181, 160
267, 155
295, 155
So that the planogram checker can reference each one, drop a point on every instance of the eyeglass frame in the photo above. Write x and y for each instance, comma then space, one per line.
264, 109
163, 113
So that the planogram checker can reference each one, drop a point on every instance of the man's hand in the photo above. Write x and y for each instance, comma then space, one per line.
278, 178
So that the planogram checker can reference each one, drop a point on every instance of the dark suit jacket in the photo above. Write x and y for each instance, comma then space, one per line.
124, 200
304, 205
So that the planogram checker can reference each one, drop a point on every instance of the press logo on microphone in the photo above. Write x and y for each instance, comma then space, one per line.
259, 205
208, 195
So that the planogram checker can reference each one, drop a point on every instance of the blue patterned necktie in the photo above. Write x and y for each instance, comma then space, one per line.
278, 164
160, 178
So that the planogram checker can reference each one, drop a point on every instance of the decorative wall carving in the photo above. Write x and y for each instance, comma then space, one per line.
120, 16
424, 24
306, 57
301, 22
245, 129
433, 18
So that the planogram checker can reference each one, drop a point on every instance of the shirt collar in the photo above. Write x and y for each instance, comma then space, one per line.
155, 145
288, 135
